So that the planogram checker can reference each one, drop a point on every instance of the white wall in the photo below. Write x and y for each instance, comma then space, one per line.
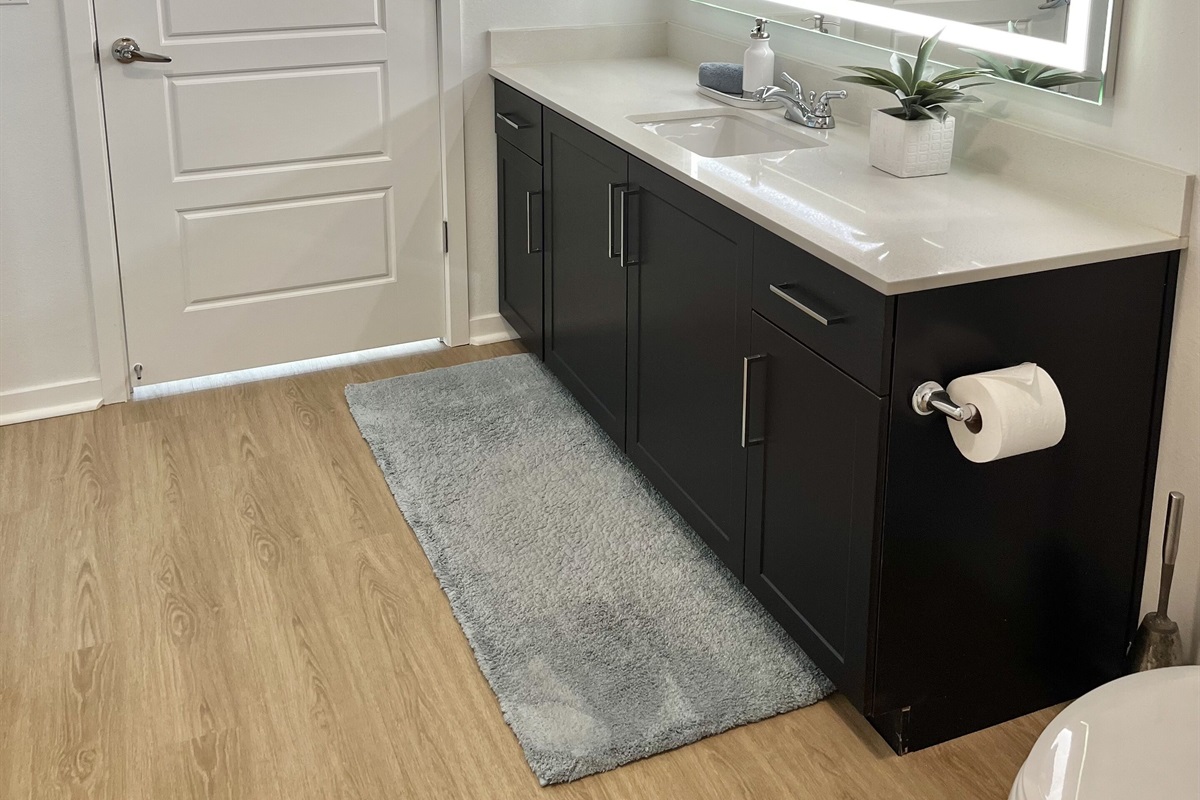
1154, 114
47, 333
480, 16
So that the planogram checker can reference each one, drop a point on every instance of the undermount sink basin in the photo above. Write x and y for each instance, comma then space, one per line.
720, 134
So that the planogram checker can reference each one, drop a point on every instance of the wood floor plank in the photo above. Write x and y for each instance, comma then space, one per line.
423, 673
20, 630
213, 595
15, 740
79, 742
32, 455
215, 766
193, 642
331, 743
66, 566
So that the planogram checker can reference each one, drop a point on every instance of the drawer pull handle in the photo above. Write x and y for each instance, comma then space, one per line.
515, 123
782, 291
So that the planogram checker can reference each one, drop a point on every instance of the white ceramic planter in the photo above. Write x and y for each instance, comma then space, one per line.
909, 149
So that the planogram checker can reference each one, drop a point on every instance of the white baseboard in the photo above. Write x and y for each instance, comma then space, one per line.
50, 400
490, 329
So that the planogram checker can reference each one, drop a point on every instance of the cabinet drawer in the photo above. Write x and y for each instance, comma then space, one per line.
519, 121
847, 323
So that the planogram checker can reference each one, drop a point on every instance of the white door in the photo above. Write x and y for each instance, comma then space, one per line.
277, 184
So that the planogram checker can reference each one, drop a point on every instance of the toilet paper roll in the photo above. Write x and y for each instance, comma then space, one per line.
1021, 409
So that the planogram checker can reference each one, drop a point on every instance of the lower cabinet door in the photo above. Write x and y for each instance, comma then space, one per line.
813, 502
688, 325
519, 192
585, 286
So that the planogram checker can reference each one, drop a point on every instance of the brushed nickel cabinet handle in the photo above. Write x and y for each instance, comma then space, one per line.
782, 291
746, 362
626, 260
516, 124
529, 223
613, 188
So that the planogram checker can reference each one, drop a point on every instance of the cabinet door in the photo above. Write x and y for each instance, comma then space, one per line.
519, 190
813, 505
585, 282
688, 328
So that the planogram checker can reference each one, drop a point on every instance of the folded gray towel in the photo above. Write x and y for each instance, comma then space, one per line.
725, 78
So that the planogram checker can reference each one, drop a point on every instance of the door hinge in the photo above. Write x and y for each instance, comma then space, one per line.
445, 236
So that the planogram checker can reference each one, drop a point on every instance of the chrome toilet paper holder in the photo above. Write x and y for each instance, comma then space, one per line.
931, 397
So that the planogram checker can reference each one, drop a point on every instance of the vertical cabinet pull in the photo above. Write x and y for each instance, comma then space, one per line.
748, 439
613, 188
529, 224
630, 251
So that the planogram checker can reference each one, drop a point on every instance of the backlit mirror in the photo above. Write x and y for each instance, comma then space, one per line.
1061, 46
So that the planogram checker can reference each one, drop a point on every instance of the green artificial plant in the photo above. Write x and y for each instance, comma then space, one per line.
921, 97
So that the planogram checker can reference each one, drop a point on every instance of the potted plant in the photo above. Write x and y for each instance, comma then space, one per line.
917, 137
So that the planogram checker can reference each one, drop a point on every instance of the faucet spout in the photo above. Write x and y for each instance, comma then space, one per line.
796, 109
813, 113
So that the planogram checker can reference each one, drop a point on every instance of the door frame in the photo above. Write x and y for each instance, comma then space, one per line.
100, 231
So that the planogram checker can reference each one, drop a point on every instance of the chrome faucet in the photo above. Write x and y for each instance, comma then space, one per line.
813, 113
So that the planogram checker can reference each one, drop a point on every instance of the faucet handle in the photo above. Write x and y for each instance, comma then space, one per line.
797, 89
822, 105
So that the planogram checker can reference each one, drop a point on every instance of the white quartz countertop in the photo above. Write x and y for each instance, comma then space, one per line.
895, 235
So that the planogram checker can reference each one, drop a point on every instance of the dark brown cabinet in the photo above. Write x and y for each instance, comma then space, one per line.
520, 248
585, 280
767, 395
688, 327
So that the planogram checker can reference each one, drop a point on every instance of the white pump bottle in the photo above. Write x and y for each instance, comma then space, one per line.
758, 68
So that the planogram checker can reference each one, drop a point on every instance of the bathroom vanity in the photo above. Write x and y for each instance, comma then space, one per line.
750, 331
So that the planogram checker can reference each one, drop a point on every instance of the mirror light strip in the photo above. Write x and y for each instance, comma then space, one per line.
1071, 54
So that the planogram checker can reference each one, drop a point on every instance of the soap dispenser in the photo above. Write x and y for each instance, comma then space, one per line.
758, 68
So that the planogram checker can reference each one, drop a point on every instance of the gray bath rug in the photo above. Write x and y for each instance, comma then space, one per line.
607, 629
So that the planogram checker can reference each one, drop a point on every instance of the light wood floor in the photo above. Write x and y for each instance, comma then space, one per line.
214, 596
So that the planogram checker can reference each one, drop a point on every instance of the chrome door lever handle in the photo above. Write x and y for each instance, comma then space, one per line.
126, 51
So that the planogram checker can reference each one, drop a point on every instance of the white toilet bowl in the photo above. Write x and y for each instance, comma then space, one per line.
1137, 737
